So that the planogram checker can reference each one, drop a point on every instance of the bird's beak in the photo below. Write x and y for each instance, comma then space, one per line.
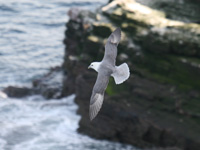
89, 67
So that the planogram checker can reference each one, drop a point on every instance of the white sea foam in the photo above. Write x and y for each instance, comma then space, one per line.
3, 95
37, 124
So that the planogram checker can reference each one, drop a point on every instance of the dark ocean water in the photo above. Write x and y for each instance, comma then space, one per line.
31, 35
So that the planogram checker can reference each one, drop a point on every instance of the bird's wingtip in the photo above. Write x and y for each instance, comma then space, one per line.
91, 118
117, 31
118, 28
96, 106
116, 36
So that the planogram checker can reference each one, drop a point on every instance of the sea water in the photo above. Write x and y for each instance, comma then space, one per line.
31, 35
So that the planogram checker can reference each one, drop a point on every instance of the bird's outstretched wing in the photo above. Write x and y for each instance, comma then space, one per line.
97, 97
111, 47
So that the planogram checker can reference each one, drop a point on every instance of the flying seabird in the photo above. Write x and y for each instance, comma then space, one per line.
105, 69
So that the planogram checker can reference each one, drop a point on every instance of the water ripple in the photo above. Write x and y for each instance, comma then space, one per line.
32, 33
7, 8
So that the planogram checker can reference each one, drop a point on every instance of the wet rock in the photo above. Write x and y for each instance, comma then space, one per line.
19, 92
50, 85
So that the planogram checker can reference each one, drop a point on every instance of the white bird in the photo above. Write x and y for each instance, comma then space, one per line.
105, 69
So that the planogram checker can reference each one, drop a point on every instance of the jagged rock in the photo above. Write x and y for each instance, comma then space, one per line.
163, 55
151, 27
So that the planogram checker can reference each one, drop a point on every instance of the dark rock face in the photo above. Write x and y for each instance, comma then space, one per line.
158, 105
12, 91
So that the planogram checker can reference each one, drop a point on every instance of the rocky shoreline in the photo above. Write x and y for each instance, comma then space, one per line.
49, 86
159, 105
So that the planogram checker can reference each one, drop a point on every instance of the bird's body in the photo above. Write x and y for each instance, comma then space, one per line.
105, 69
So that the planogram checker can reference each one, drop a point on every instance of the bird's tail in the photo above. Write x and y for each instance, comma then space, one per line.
121, 74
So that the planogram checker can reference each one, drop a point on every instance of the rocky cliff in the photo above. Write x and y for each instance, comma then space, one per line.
159, 104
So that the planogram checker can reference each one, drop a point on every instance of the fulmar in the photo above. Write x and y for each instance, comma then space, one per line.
105, 69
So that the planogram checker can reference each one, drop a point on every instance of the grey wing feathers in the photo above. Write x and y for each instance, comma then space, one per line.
97, 97
115, 37
96, 106
111, 46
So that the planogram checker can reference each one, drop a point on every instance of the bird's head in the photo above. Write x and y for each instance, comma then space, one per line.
94, 65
